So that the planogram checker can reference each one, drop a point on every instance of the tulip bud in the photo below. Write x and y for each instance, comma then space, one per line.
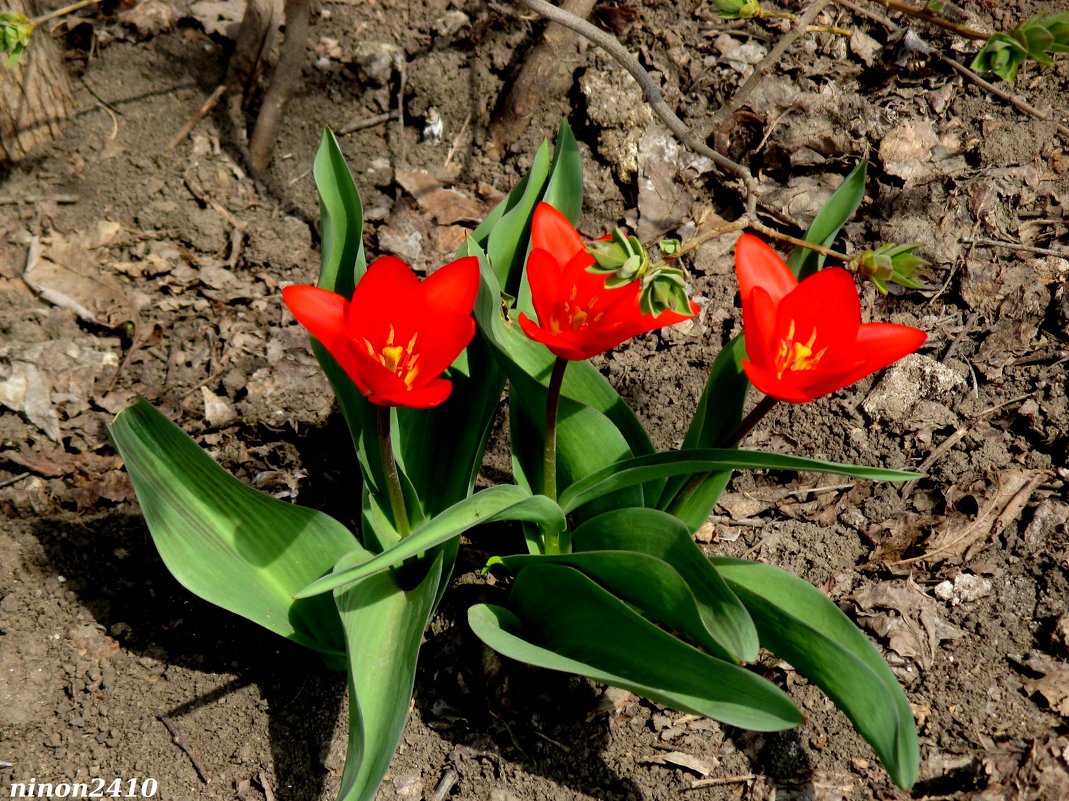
621, 255
15, 32
738, 9
890, 264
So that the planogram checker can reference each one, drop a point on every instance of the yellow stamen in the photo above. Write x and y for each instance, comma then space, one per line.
400, 361
795, 356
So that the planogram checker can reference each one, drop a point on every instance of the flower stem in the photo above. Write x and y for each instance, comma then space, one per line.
549, 460
393, 480
730, 440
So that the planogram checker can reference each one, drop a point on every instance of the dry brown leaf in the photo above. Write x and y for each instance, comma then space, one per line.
53, 462
67, 272
1015, 487
917, 629
703, 767
1054, 687
446, 206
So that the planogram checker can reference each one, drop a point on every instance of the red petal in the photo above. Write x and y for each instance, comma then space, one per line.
881, 344
550, 230
388, 295
452, 289
766, 381
826, 302
545, 275
759, 326
423, 397
756, 264
323, 313
439, 344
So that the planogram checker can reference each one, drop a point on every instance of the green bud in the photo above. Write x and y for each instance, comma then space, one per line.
621, 255
669, 247
891, 264
738, 9
15, 32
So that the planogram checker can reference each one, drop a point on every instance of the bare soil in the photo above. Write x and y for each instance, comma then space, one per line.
158, 275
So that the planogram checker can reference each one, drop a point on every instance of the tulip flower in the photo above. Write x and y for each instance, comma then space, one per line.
806, 339
578, 314
397, 334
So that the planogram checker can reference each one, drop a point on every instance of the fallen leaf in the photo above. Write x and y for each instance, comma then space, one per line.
68, 272
703, 767
1054, 687
1015, 488
53, 462
917, 629
446, 206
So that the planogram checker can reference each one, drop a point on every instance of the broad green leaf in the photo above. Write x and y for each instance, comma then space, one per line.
226, 542
506, 245
660, 535
341, 219
799, 624
647, 583
561, 620
640, 469
383, 629
564, 189
503, 502
719, 411
827, 224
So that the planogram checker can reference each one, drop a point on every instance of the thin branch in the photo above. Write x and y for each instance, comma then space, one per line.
1016, 102
772, 232
935, 19
650, 90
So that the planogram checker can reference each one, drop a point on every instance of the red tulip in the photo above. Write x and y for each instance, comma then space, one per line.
578, 316
397, 334
805, 340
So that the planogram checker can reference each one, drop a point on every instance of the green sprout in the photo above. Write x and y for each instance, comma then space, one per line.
15, 32
624, 259
891, 264
1039, 39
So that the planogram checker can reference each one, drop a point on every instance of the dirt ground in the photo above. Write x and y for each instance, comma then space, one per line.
173, 259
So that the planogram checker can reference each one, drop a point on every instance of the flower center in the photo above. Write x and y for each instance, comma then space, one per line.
575, 316
399, 360
794, 356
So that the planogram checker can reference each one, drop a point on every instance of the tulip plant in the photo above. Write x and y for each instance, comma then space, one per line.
612, 586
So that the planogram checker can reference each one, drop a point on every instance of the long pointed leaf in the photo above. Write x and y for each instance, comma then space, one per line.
383, 629
226, 542
647, 583
641, 469
799, 624
503, 502
660, 535
829, 221
562, 620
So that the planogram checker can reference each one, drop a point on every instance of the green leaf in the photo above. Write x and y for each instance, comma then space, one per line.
718, 412
827, 224
226, 542
384, 626
660, 535
647, 583
799, 624
704, 460
341, 219
562, 620
564, 189
506, 246
503, 502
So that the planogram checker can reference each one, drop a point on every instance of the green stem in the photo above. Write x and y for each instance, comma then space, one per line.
730, 440
549, 460
393, 480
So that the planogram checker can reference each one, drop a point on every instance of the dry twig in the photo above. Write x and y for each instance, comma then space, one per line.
187, 749
651, 92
